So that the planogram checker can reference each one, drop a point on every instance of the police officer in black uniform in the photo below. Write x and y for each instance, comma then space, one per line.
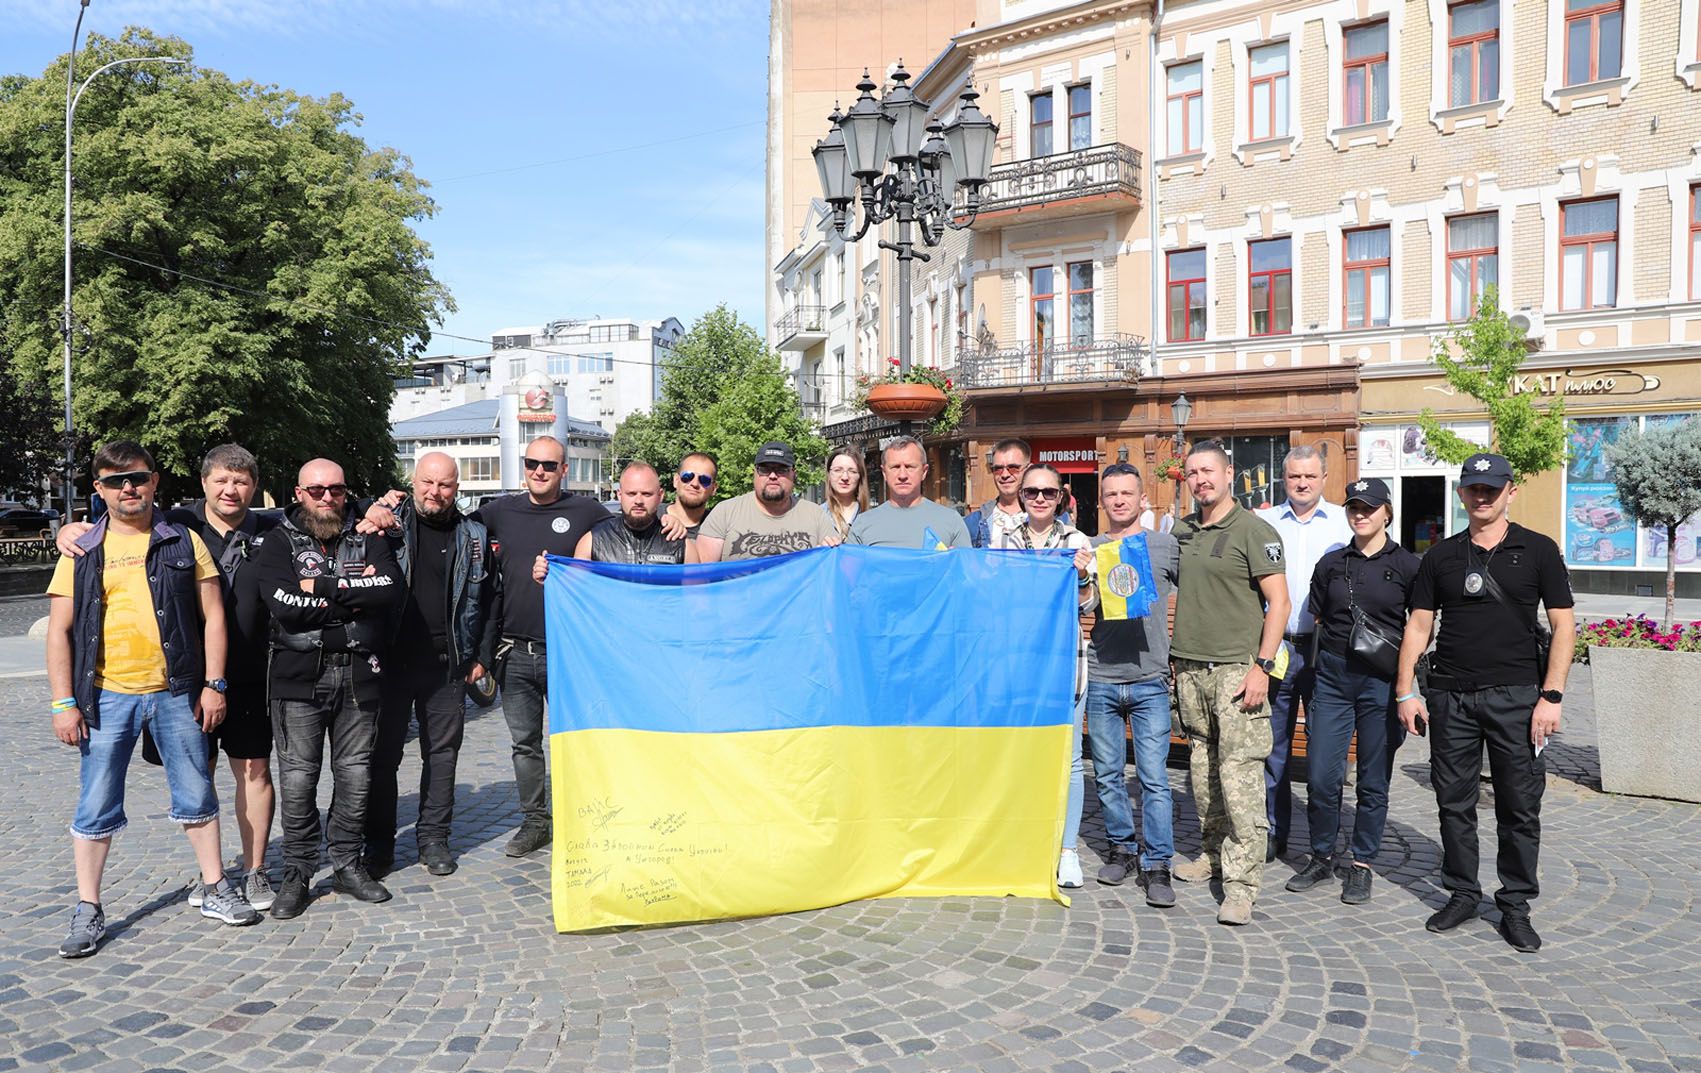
333, 594
1495, 681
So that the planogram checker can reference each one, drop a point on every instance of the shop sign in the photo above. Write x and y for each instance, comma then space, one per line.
1075, 454
1586, 383
537, 405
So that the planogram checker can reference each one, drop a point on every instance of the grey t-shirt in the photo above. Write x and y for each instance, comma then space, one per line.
752, 533
892, 526
1132, 650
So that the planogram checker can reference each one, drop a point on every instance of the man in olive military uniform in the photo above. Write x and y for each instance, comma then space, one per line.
1231, 608
1491, 684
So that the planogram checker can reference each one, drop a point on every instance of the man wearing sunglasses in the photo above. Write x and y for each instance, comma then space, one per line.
692, 486
334, 594
765, 521
136, 637
543, 518
1002, 514
907, 518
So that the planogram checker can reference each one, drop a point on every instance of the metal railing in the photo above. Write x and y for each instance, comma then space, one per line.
801, 319
1099, 169
1100, 359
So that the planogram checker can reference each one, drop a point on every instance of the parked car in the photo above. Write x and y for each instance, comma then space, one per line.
21, 521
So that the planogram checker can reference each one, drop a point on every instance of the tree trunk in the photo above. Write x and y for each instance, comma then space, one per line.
1671, 574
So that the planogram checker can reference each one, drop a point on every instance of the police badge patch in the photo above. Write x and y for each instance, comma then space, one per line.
1273, 552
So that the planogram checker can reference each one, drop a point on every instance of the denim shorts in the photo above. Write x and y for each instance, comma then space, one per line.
106, 760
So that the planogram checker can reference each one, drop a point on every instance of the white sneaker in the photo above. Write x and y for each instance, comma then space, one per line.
1069, 869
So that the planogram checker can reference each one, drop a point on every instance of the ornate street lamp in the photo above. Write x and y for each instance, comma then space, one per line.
887, 155
1182, 412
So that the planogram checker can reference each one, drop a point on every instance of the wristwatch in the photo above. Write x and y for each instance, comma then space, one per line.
1552, 696
217, 685
1268, 666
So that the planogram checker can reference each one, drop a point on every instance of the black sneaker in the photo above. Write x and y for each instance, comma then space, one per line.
1355, 889
1316, 870
1159, 893
1116, 866
354, 882
531, 837
292, 897
1459, 908
1515, 928
436, 858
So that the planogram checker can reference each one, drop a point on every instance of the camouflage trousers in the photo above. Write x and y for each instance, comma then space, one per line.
1227, 763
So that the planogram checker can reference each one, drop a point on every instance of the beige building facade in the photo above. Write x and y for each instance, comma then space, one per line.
1280, 207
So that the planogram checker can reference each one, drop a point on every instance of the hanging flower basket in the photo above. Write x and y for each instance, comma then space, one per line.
1171, 469
906, 402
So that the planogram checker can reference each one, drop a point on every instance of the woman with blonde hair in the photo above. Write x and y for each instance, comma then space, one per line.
847, 487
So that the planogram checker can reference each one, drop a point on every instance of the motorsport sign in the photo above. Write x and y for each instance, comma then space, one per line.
837, 741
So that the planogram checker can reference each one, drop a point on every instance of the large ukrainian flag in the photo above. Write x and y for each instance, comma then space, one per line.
740, 739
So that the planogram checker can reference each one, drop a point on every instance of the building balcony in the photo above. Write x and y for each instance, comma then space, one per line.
1104, 359
801, 328
1103, 178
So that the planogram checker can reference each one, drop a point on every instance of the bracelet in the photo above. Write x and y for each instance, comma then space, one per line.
1413, 695
64, 704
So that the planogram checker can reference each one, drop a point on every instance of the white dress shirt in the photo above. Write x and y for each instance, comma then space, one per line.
1303, 544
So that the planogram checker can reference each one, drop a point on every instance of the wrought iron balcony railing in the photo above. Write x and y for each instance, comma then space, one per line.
1112, 170
1104, 358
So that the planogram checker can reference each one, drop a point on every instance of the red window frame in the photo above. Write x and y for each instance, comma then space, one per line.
1474, 256
1593, 14
1587, 241
1368, 63
1190, 99
1186, 283
1034, 124
1270, 275
1694, 241
1474, 42
1365, 266
1035, 297
1277, 82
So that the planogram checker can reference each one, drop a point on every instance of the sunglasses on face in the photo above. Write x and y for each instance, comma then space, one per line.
1009, 467
320, 491
704, 480
1049, 495
773, 469
548, 465
136, 478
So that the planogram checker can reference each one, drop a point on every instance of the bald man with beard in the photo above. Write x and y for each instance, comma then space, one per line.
333, 594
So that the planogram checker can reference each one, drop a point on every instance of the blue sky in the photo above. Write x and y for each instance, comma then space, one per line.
565, 140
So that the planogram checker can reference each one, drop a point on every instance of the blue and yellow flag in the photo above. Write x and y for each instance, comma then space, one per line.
930, 541
740, 739
1123, 569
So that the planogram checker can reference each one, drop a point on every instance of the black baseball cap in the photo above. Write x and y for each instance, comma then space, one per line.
1484, 468
775, 453
1370, 490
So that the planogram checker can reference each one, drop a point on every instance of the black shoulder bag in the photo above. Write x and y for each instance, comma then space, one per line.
1365, 640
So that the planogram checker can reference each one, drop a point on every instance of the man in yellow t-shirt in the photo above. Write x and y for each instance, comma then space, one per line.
136, 636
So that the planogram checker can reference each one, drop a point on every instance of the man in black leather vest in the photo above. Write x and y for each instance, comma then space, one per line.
333, 594
636, 535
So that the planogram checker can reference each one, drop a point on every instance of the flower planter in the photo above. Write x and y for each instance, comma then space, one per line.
906, 402
1646, 722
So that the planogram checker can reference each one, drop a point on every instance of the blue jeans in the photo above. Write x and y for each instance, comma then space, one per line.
1350, 696
1077, 789
1144, 706
1286, 696
106, 759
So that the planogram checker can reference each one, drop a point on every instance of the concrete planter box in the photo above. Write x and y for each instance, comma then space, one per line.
1647, 721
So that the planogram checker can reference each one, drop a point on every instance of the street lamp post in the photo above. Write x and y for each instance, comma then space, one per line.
70, 116
886, 154
1181, 411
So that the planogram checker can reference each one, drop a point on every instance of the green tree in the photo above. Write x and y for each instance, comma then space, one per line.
1658, 474
31, 444
246, 268
1491, 352
722, 392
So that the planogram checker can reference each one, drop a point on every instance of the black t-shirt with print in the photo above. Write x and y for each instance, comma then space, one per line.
519, 530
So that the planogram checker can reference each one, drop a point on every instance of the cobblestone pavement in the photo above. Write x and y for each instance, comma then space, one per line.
17, 614
465, 972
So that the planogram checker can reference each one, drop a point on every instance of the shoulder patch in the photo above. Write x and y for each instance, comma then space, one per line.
1273, 551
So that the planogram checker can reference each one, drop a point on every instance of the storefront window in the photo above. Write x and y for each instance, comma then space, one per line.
1597, 533
1257, 469
1653, 542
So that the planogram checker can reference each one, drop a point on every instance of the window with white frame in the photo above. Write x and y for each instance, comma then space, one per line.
1473, 52
1588, 254
482, 469
1039, 127
1473, 262
1267, 91
1081, 303
1185, 107
1695, 242
1594, 40
560, 365
1364, 73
